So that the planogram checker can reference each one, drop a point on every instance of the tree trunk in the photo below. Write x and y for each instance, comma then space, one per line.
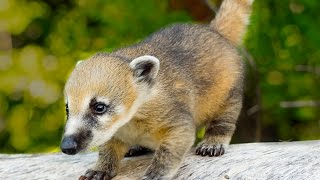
284, 160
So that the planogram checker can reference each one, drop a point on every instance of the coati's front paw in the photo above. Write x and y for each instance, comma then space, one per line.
96, 175
205, 149
137, 151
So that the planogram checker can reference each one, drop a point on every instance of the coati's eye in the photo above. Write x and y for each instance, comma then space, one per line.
99, 108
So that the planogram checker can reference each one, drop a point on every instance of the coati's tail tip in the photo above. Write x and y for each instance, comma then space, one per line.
232, 19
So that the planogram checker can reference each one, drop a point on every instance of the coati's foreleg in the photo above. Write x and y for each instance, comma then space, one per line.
219, 130
169, 155
108, 162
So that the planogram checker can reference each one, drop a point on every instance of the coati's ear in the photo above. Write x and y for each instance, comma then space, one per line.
145, 68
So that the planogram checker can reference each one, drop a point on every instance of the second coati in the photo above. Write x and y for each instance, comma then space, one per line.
157, 93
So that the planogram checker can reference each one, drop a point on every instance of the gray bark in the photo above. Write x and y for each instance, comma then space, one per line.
285, 160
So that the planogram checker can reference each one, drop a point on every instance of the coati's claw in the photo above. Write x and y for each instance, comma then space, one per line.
96, 175
210, 150
137, 151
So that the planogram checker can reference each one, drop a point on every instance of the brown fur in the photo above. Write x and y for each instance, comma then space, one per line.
199, 83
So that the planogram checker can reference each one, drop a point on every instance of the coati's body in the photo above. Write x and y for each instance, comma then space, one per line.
195, 77
192, 77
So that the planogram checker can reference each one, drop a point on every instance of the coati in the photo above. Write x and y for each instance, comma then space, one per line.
157, 93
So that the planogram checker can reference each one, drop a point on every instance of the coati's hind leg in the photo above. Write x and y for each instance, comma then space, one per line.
138, 151
219, 130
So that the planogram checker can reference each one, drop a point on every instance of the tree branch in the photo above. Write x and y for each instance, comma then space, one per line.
285, 160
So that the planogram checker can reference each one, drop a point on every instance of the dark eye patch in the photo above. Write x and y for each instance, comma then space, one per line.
99, 108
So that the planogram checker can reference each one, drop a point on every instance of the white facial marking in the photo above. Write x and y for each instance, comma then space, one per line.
103, 99
104, 119
119, 109
100, 137
85, 104
72, 126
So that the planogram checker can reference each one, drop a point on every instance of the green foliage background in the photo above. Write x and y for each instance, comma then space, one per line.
40, 42
283, 36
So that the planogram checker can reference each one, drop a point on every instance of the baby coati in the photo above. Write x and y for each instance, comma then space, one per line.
157, 93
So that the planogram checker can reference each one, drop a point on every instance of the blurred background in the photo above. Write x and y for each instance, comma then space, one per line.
41, 40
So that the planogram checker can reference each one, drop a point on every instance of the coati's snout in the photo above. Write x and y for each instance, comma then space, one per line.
72, 144
69, 145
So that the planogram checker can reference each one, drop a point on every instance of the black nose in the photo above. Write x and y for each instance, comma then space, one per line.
69, 145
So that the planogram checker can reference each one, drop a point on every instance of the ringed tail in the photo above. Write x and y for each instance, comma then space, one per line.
232, 19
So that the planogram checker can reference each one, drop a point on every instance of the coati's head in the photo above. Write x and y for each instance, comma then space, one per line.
102, 94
